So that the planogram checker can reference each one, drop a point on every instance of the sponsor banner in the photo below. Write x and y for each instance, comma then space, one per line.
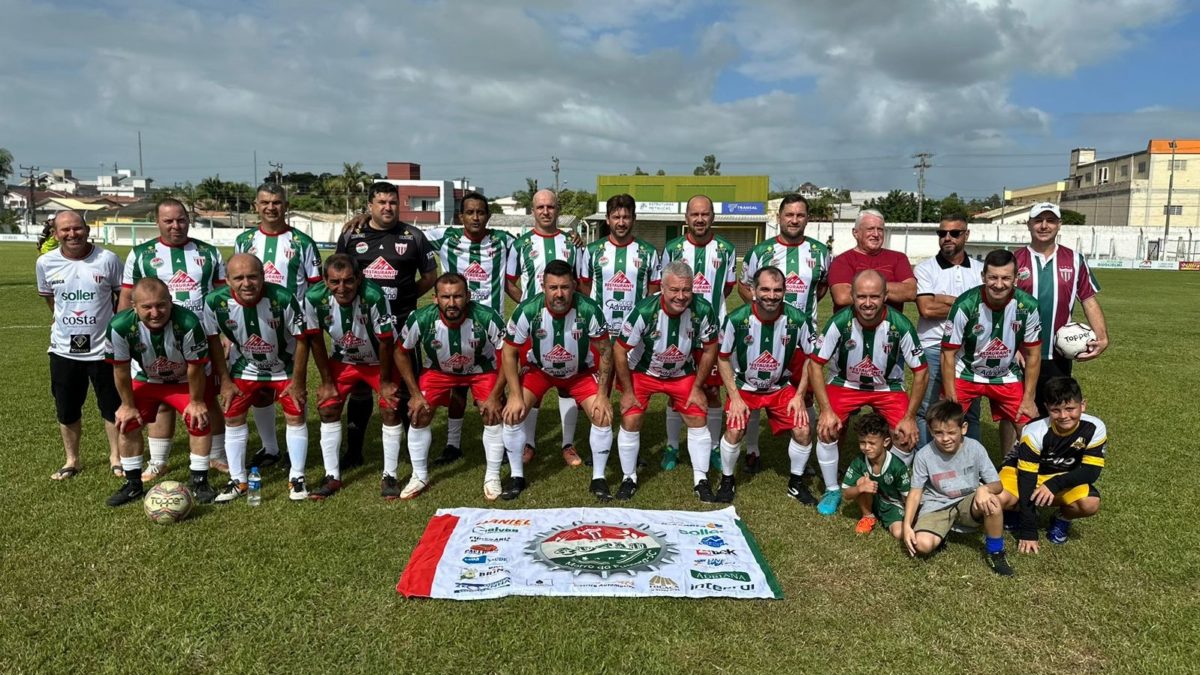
742, 208
1156, 265
1110, 264
18, 237
658, 207
1189, 265
477, 554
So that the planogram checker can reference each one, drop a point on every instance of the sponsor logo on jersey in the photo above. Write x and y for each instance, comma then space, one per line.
621, 583
765, 361
464, 587
475, 272
619, 283
351, 341
601, 549
511, 522
700, 532
481, 559
794, 284
1023, 274
715, 562
977, 329
559, 355
996, 349
78, 296
181, 282
163, 366
540, 333
703, 553
256, 345
865, 368
728, 574
271, 274
619, 305
458, 362
493, 571
78, 318
700, 284
380, 269
672, 355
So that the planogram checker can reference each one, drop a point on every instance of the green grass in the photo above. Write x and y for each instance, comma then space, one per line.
311, 586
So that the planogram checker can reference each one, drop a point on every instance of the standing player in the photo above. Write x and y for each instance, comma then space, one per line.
621, 269
804, 262
79, 282
869, 254
353, 311
1058, 278
989, 324
289, 259
658, 343
567, 346
458, 342
397, 256
159, 353
530, 254
191, 269
713, 262
760, 343
265, 328
867, 346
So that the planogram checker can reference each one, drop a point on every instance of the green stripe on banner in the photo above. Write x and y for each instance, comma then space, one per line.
761, 559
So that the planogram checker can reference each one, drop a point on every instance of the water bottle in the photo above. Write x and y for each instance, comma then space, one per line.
254, 496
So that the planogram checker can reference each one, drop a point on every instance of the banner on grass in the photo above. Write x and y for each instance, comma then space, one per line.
475, 554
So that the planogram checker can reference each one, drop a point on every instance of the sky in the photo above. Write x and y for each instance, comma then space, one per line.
840, 93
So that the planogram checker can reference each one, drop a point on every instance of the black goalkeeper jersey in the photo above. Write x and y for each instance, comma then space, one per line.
395, 259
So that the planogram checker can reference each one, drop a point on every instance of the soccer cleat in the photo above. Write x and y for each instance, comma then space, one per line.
1059, 531
203, 492
130, 491
296, 490
389, 487
263, 459
599, 489
492, 489
527, 453
232, 490
753, 462
516, 486
703, 492
799, 491
830, 502
154, 471
627, 490
414, 488
998, 563
865, 524
570, 456
328, 487
714, 459
727, 490
450, 454
670, 458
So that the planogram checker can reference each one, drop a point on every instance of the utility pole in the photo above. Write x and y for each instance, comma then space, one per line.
255, 168
141, 168
922, 164
30, 207
1162, 251
278, 171
554, 168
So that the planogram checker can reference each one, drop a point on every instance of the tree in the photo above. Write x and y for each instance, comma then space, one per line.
6, 164
352, 182
1070, 217
660, 172
951, 203
637, 171
901, 207
525, 197
580, 203
710, 167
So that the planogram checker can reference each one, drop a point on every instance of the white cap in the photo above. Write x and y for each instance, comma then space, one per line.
1042, 207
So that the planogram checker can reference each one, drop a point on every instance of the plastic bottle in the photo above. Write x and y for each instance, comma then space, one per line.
254, 496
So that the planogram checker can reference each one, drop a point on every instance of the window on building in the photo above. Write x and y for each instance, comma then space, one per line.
1087, 178
1173, 209
1179, 165
1124, 171
1141, 168
1103, 175
421, 204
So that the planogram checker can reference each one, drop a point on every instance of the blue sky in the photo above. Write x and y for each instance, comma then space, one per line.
834, 92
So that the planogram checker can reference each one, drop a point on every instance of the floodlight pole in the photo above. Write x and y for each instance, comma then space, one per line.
1162, 251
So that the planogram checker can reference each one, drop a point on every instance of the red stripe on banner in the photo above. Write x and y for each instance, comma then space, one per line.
417, 579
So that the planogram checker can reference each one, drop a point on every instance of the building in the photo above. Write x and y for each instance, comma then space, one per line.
1135, 189
1017, 202
426, 202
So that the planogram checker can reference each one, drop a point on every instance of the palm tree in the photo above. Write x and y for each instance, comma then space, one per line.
525, 197
352, 181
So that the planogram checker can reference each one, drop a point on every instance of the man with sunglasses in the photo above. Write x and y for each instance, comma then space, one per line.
940, 280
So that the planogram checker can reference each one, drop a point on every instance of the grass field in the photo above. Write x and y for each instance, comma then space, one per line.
310, 587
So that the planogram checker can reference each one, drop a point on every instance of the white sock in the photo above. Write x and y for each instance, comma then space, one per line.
131, 463
297, 447
454, 432
798, 456
628, 445
197, 462
530, 428
331, 442
419, 440
392, 437
752, 433
905, 457
714, 429
568, 412
600, 439
827, 458
699, 447
264, 422
235, 449
493, 450
729, 456
218, 447
159, 449
514, 446
674, 424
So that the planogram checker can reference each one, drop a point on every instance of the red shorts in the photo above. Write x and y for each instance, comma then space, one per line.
713, 379
346, 375
891, 404
436, 386
776, 405
249, 389
1005, 398
147, 397
677, 389
580, 387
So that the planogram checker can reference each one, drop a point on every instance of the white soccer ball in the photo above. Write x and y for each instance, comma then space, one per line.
168, 502
1072, 339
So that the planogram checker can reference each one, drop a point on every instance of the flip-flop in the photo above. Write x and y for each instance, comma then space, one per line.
65, 473
118, 471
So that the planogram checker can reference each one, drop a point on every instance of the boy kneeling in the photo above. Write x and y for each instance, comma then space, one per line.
1057, 463
946, 490
876, 479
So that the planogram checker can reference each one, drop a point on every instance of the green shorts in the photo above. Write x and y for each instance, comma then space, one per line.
886, 512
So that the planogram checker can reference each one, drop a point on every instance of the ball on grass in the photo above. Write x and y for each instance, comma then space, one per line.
168, 502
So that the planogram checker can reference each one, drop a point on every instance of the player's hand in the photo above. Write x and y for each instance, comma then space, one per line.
1020, 359
417, 406
1028, 546
1028, 408
910, 539
125, 415
298, 391
576, 240
1095, 348
491, 408
601, 412
628, 400
1042, 496
388, 393
697, 398
829, 427
907, 432
356, 224
327, 391
866, 486
229, 391
739, 412
195, 415
986, 503
515, 410
798, 411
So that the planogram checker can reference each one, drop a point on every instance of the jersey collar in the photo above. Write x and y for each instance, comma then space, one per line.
618, 244
693, 242
454, 324
285, 230
547, 236
761, 318
662, 302
783, 242
483, 236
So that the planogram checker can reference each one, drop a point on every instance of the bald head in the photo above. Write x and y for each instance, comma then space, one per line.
148, 288
545, 211
68, 218
152, 302
242, 261
868, 281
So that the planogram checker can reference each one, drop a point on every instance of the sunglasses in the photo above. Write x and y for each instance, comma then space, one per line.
942, 234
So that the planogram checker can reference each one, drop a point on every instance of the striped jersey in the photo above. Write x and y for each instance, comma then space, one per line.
988, 339
558, 345
290, 258
804, 266
713, 266
529, 254
482, 263
662, 345
263, 337
157, 357
190, 271
83, 300
869, 359
469, 348
621, 276
1057, 282
355, 329
762, 353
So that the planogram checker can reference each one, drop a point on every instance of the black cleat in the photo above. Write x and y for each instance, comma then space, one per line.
799, 491
203, 492
263, 459
130, 491
328, 487
599, 488
704, 491
389, 488
753, 463
450, 454
727, 490
628, 489
999, 564
515, 487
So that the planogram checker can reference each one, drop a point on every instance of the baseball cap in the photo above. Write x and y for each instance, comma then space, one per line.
1042, 207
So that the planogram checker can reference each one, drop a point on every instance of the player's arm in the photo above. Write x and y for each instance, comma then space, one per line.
225, 387
125, 298
512, 288
404, 364
604, 373
738, 412
911, 503
934, 306
1033, 367
1095, 319
841, 294
902, 291
745, 293
195, 414
387, 365
1028, 464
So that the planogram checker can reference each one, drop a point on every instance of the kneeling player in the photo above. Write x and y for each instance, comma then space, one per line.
459, 343
159, 352
877, 480
1058, 461
354, 311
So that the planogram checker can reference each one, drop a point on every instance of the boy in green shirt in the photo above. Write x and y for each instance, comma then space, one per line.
876, 479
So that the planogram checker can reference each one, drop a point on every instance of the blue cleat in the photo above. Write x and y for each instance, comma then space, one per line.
830, 502
1059, 531
670, 458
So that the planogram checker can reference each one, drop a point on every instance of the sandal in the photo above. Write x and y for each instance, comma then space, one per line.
65, 473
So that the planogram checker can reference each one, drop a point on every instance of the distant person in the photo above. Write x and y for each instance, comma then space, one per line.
46, 241
869, 254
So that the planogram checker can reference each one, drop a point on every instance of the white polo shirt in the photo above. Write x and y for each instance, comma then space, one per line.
938, 276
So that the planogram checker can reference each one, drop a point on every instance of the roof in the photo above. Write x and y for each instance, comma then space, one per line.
1183, 146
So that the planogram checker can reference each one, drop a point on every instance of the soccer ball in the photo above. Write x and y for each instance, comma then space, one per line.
168, 502
1072, 339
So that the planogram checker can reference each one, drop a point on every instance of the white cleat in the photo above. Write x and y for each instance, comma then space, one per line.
414, 488
492, 489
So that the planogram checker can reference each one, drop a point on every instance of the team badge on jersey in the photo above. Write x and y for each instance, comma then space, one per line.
1065, 273
156, 262
401, 248
361, 247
